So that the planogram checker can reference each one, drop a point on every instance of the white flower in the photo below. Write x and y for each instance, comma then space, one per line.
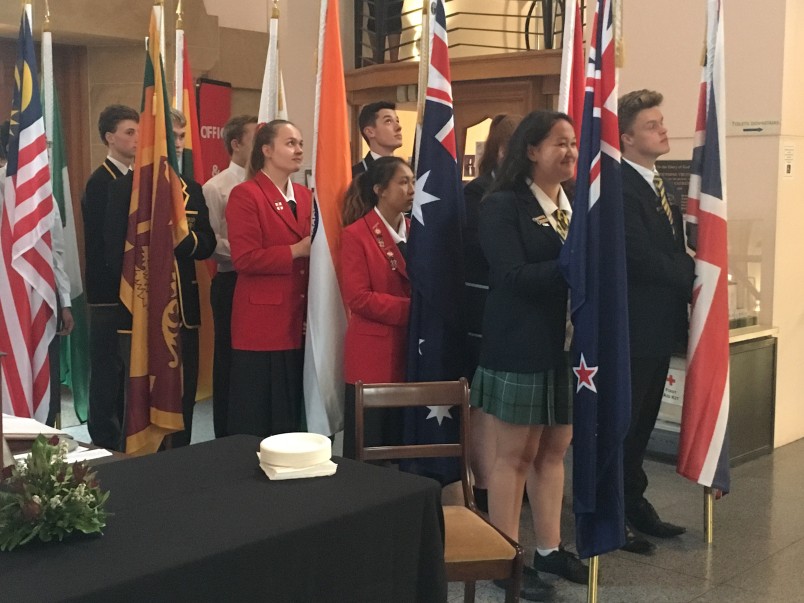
36, 499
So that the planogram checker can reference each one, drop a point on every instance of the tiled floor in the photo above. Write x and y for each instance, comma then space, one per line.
757, 555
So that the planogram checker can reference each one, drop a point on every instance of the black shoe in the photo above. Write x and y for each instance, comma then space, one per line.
481, 498
644, 518
562, 563
533, 587
634, 543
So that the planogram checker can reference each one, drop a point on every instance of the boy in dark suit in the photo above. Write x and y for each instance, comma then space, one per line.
660, 277
118, 127
379, 127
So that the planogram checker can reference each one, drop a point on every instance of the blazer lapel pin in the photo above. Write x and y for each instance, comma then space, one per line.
541, 220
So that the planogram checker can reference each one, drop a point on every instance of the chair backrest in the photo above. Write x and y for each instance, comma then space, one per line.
454, 394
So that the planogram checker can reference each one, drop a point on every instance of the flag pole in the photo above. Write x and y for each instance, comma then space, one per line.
178, 71
591, 589
424, 69
709, 514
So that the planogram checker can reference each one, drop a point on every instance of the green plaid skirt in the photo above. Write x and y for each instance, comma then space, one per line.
524, 398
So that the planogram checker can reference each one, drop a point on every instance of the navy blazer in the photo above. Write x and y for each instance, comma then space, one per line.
524, 321
660, 272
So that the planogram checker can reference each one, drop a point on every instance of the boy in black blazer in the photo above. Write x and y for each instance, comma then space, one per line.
660, 278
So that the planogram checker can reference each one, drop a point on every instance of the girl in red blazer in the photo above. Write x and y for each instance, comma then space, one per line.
269, 233
376, 290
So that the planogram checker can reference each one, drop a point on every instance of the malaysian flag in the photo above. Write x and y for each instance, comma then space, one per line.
435, 258
702, 450
593, 261
27, 283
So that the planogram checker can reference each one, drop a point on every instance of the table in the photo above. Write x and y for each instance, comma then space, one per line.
203, 523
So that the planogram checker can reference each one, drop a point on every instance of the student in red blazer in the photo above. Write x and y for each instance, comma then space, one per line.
376, 290
269, 233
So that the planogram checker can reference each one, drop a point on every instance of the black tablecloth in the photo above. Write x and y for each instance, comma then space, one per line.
203, 523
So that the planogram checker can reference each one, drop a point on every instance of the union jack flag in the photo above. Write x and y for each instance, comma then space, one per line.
593, 261
27, 283
435, 256
703, 451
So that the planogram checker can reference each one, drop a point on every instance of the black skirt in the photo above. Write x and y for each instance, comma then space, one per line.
266, 393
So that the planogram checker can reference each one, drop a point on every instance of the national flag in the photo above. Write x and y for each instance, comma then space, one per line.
74, 352
332, 172
435, 257
593, 261
571, 87
148, 286
272, 98
702, 448
27, 282
192, 167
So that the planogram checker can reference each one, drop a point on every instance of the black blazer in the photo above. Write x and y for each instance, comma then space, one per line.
660, 272
525, 318
363, 165
198, 245
103, 286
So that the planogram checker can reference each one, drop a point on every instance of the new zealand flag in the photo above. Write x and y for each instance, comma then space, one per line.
435, 260
593, 261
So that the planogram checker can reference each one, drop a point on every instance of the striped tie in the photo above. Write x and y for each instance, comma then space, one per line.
562, 223
659, 183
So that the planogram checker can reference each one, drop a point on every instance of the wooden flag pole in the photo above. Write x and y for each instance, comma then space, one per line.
591, 589
709, 514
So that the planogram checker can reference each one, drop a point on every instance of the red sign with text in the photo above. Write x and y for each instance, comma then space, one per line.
214, 110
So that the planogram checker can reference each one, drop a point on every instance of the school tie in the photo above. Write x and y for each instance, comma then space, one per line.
292, 203
403, 249
562, 223
659, 183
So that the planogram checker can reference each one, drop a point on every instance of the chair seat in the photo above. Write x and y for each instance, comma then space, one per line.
471, 538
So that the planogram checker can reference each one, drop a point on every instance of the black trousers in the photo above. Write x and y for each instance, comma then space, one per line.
221, 295
107, 378
54, 355
648, 376
189, 362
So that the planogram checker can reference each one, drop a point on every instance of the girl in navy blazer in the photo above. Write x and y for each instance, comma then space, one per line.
376, 290
269, 233
523, 378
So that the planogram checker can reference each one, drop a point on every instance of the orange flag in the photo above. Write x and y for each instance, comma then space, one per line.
326, 313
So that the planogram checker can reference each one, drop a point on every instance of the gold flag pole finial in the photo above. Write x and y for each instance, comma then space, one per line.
275, 10
179, 16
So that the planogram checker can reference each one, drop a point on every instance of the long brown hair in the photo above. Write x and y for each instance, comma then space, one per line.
500, 131
266, 133
360, 197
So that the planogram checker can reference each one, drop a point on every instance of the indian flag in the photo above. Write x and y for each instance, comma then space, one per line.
326, 313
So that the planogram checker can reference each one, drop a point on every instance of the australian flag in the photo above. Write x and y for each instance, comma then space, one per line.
435, 259
593, 261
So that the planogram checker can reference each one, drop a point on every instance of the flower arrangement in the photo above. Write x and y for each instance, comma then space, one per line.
48, 498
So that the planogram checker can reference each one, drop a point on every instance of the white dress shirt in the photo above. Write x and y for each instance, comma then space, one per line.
646, 173
398, 236
216, 194
548, 205
124, 169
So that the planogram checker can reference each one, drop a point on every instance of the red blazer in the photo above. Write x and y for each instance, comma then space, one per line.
270, 299
377, 292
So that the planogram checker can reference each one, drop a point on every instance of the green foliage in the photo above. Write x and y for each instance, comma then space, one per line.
48, 498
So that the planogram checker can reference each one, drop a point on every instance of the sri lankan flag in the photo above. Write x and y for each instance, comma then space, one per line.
148, 287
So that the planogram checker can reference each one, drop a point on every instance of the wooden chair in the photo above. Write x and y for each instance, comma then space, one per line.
473, 548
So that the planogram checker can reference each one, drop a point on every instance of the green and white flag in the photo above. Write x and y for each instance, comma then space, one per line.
75, 347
